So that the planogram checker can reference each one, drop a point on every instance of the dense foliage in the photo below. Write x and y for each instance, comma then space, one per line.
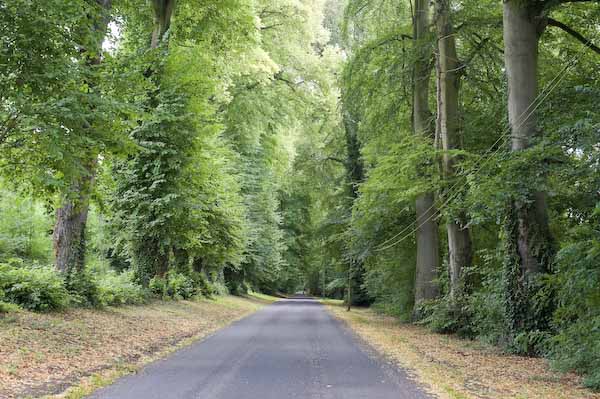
376, 151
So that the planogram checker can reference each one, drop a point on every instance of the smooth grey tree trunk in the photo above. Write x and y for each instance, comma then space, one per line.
522, 30
163, 11
427, 228
459, 240
528, 243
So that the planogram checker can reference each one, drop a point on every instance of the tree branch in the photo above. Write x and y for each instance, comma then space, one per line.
334, 159
271, 26
588, 43
292, 85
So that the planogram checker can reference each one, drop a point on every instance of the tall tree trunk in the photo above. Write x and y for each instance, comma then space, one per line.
528, 238
354, 165
356, 294
151, 257
181, 260
198, 265
427, 230
163, 11
71, 218
459, 240
522, 29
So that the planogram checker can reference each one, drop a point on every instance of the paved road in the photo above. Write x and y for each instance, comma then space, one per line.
291, 349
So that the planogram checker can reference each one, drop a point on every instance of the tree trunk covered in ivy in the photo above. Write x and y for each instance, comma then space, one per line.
181, 260
528, 239
427, 228
69, 231
198, 265
357, 294
151, 250
459, 240
71, 218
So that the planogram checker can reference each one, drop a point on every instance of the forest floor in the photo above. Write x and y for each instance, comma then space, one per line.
455, 368
45, 354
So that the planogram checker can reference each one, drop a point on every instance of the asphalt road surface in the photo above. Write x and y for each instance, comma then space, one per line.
291, 349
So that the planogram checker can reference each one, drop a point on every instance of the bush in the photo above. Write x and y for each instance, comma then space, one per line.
6, 307
180, 286
158, 286
219, 288
116, 289
576, 347
83, 288
448, 316
202, 285
34, 288
389, 283
487, 303
175, 286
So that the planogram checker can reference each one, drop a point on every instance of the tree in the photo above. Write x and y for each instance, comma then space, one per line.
427, 227
69, 231
161, 209
530, 244
449, 75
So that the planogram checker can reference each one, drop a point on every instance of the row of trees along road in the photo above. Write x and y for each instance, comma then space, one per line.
436, 159
168, 125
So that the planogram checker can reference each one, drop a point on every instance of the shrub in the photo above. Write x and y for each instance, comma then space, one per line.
34, 288
180, 286
202, 285
116, 289
83, 288
388, 282
158, 286
6, 307
448, 315
219, 288
487, 303
576, 347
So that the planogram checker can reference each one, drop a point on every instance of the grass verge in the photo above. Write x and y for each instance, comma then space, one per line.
72, 353
264, 298
460, 369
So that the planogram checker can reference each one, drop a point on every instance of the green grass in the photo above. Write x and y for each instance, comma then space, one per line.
332, 302
263, 297
6, 307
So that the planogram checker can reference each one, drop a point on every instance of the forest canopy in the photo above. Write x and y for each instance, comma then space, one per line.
436, 160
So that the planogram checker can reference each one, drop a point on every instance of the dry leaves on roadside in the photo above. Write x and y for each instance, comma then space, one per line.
46, 353
455, 368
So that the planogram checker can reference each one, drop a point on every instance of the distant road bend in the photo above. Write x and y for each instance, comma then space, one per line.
291, 349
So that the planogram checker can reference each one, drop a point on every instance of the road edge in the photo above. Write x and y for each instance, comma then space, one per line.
390, 363
89, 384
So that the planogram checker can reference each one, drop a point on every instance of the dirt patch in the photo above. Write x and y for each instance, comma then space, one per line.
455, 368
46, 353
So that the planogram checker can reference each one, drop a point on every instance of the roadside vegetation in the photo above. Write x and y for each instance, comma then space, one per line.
453, 368
435, 160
